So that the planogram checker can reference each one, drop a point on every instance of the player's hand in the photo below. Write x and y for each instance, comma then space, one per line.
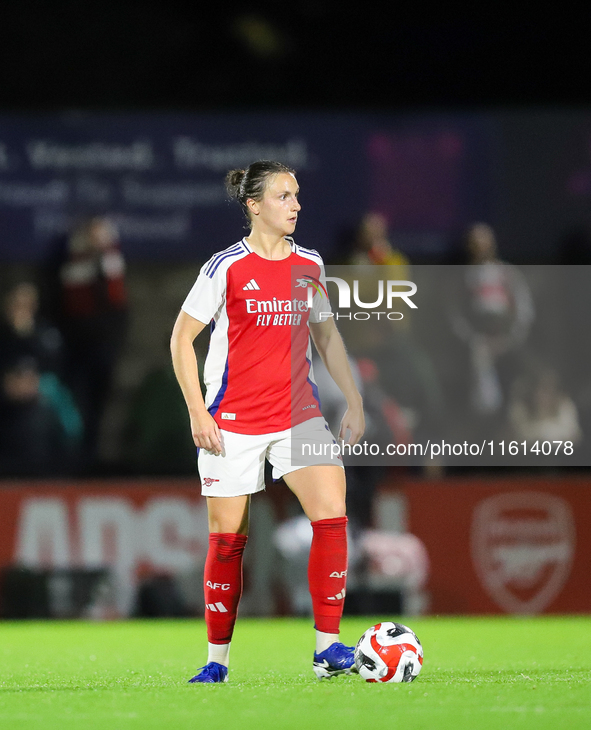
206, 433
354, 422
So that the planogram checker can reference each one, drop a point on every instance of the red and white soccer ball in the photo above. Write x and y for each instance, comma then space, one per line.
389, 652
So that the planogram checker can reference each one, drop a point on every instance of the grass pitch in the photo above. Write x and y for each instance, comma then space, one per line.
478, 673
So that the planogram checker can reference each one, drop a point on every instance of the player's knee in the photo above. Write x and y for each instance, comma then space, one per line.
229, 524
329, 509
228, 527
228, 515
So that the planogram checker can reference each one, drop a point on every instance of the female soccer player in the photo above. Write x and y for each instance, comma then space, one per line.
261, 402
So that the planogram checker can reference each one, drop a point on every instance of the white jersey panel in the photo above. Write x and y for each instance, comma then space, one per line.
215, 370
208, 293
206, 302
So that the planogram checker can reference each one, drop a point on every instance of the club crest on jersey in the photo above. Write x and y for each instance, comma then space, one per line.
208, 481
305, 281
312, 285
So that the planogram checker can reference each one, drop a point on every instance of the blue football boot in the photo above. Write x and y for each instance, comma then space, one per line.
212, 672
337, 659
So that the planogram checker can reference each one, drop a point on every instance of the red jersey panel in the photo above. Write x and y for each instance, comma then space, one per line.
258, 370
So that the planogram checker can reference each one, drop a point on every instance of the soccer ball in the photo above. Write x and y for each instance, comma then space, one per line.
389, 652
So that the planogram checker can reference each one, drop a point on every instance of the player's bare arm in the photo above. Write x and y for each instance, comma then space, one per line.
206, 433
331, 349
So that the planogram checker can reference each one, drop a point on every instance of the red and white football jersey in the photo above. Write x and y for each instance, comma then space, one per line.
258, 370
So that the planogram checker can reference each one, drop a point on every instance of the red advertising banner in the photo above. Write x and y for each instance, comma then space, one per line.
133, 528
506, 545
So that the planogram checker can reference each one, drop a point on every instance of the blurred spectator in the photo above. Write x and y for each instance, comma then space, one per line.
39, 435
540, 410
24, 333
407, 377
372, 246
399, 372
92, 305
491, 312
31, 357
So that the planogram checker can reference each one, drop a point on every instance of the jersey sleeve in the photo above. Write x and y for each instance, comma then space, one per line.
321, 303
207, 295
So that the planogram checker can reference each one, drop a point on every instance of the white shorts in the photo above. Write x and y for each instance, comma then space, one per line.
240, 468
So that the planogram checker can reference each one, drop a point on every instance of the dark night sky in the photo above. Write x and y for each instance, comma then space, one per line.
161, 55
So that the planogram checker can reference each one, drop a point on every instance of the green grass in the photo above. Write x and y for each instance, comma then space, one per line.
478, 673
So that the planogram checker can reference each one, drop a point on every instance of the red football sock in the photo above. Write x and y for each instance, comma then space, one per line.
223, 585
327, 572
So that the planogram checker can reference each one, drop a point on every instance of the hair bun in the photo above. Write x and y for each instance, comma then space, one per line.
233, 182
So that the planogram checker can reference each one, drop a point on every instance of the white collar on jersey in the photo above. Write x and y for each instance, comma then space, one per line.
289, 239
